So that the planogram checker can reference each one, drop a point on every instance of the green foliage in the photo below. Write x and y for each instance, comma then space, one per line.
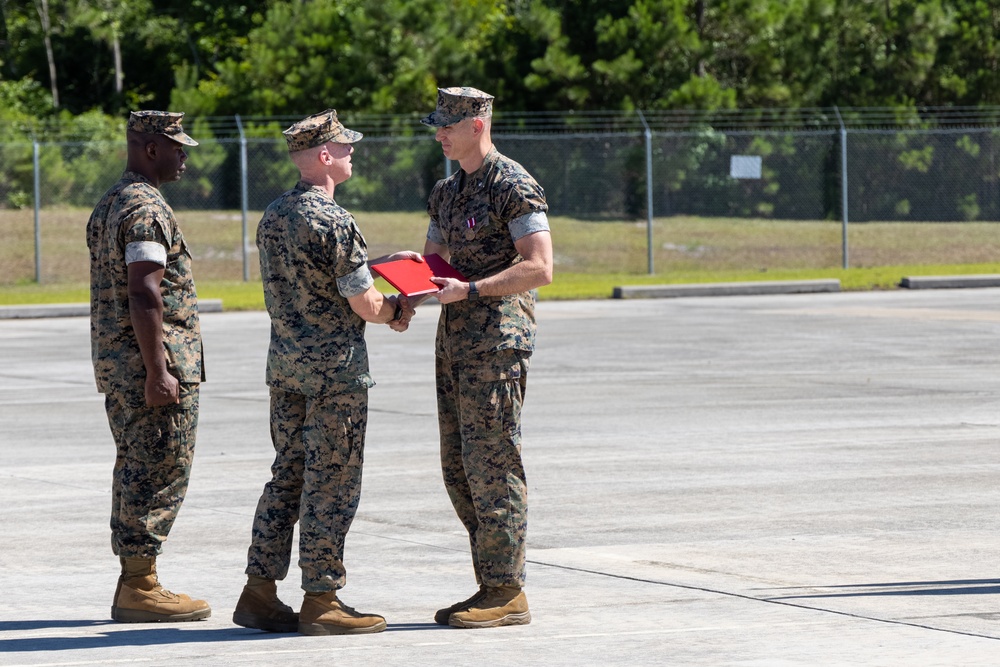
22, 99
294, 57
359, 55
263, 57
917, 160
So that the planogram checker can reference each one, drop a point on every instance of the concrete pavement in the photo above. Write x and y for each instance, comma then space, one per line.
744, 480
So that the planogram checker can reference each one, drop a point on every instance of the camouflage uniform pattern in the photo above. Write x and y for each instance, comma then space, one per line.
316, 478
458, 103
152, 469
479, 419
312, 258
318, 129
133, 211
154, 445
470, 214
483, 348
160, 122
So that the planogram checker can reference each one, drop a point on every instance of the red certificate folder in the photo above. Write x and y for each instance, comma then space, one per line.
413, 278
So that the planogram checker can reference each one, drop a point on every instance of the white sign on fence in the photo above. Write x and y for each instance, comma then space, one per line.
744, 166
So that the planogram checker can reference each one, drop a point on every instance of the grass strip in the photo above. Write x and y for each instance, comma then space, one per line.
239, 295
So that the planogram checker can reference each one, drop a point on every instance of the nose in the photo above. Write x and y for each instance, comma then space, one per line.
184, 155
439, 134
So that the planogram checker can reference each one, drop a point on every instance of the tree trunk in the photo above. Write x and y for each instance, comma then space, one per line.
43, 14
699, 10
116, 46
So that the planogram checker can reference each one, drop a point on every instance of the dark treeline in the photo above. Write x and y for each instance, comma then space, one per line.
274, 57
71, 70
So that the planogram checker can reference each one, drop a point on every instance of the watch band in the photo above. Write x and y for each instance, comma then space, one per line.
473, 291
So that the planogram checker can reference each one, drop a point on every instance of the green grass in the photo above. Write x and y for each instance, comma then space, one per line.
238, 295
591, 257
601, 286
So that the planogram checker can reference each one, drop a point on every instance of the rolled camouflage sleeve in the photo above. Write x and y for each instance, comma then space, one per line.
357, 282
351, 261
434, 234
145, 251
528, 224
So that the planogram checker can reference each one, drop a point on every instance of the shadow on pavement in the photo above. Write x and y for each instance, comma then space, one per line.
901, 588
147, 635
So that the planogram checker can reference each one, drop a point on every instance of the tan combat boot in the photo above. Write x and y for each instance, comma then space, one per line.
504, 605
324, 614
442, 615
260, 608
141, 599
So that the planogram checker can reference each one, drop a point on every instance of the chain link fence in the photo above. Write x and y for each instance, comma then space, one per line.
630, 193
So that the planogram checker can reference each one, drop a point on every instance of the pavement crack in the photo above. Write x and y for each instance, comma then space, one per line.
784, 603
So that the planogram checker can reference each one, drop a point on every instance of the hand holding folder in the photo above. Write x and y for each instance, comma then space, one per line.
413, 278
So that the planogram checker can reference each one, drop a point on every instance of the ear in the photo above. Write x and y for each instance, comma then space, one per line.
150, 149
325, 157
477, 125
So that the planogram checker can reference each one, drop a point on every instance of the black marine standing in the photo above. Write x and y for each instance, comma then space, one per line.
147, 353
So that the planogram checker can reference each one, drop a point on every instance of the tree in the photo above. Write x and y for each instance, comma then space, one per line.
42, 6
968, 60
105, 20
266, 57
211, 30
382, 56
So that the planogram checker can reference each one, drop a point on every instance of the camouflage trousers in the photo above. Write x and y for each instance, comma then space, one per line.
152, 468
319, 444
479, 416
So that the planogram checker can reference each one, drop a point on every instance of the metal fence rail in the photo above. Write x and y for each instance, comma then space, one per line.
837, 167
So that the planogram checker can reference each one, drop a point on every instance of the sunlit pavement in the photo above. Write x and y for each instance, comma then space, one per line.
759, 480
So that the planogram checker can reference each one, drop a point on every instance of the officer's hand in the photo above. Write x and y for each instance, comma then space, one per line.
162, 389
405, 254
452, 290
407, 312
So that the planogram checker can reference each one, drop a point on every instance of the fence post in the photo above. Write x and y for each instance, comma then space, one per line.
447, 167
843, 186
38, 209
649, 192
243, 197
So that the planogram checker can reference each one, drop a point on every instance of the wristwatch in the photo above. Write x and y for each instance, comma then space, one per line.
473, 292
397, 314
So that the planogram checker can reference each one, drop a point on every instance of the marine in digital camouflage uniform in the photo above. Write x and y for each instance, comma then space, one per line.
490, 220
147, 354
319, 293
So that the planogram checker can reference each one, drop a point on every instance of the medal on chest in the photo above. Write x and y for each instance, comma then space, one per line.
470, 228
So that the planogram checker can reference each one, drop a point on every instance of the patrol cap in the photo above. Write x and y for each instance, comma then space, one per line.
458, 103
160, 122
318, 129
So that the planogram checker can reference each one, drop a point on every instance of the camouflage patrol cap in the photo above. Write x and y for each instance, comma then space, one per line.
455, 104
318, 129
160, 122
